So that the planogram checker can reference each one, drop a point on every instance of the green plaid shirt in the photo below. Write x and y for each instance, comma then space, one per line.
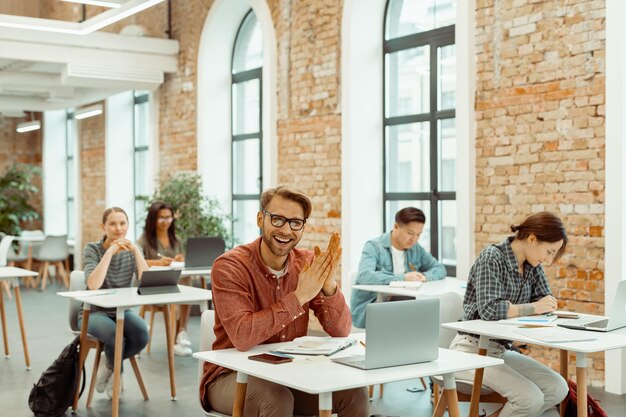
494, 281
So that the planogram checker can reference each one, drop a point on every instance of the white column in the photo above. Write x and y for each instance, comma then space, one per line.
54, 173
615, 190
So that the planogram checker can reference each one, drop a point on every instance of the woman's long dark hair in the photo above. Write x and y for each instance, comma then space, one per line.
149, 229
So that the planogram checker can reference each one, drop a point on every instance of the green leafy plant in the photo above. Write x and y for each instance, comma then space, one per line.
196, 214
16, 191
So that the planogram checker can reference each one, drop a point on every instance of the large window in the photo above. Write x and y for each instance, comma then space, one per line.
70, 178
247, 181
141, 162
419, 162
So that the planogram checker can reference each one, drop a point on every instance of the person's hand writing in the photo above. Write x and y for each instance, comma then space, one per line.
179, 258
165, 261
545, 305
414, 276
312, 277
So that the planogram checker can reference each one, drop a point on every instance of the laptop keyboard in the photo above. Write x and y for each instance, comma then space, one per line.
600, 324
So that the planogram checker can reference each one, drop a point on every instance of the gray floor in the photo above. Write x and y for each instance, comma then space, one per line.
48, 332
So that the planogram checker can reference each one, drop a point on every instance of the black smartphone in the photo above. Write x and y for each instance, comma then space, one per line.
269, 358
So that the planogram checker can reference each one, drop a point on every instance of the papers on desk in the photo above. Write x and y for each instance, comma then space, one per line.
177, 265
405, 284
548, 320
313, 345
555, 335
86, 293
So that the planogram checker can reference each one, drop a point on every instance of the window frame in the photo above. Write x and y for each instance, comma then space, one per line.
139, 99
70, 161
239, 78
435, 38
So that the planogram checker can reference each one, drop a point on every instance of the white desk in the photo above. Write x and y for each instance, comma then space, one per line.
10, 273
325, 377
189, 272
489, 329
124, 298
428, 289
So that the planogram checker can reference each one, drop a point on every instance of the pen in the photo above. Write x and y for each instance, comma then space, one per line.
362, 343
346, 345
412, 267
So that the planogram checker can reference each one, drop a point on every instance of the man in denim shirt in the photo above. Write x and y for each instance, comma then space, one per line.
394, 256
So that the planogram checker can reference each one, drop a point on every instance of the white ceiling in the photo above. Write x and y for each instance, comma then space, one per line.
42, 71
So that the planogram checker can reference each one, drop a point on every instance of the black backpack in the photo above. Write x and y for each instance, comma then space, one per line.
54, 392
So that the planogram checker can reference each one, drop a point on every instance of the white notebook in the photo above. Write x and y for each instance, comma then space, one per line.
537, 319
313, 345
405, 284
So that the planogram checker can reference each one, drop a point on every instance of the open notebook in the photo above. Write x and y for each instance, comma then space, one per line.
555, 335
313, 345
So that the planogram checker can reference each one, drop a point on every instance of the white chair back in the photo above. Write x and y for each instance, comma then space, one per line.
77, 283
207, 337
450, 309
5, 247
53, 248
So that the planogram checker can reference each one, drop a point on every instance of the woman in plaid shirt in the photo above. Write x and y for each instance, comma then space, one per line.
507, 280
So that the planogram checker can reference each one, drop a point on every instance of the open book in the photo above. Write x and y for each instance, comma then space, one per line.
313, 345
406, 284
537, 319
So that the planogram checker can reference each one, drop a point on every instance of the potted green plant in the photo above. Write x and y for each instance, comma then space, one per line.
16, 192
196, 213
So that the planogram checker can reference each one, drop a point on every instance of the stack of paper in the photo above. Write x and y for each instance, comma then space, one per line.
405, 284
538, 319
313, 345
556, 335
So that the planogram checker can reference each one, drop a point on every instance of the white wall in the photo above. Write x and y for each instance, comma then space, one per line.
214, 95
54, 173
119, 154
615, 226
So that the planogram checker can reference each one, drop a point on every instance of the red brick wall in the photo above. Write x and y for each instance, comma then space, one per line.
92, 181
540, 136
21, 148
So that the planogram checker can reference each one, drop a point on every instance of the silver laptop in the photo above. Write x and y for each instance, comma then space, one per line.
201, 252
615, 320
398, 333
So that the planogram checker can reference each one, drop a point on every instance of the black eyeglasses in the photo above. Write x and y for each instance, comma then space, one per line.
279, 221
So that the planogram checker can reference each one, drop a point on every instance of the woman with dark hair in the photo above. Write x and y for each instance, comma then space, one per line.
159, 242
112, 263
161, 247
507, 280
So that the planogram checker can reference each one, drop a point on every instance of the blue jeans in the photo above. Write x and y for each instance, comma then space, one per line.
102, 327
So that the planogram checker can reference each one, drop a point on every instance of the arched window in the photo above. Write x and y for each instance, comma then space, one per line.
246, 128
419, 150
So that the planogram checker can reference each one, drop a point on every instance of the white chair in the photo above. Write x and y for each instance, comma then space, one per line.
53, 250
5, 247
77, 283
451, 309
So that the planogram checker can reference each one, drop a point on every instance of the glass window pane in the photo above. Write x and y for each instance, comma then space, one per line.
141, 211
248, 52
393, 206
407, 157
407, 84
142, 186
406, 17
246, 107
141, 124
447, 154
246, 166
244, 215
447, 232
69, 125
446, 59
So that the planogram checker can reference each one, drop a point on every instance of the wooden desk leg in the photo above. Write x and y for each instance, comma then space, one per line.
441, 406
478, 378
174, 322
117, 363
29, 258
20, 317
326, 404
564, 374
82, 353
170, 351
240, 394
5, 336
581, 382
